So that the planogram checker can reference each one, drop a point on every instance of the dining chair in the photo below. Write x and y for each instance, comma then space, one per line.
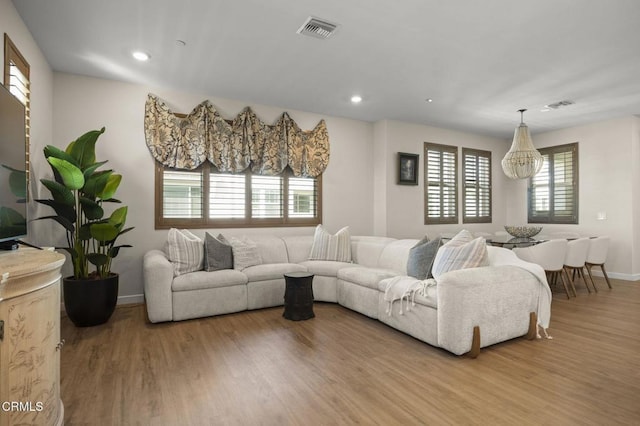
575, 259
482, 234
596, 256
550, 255
565, 235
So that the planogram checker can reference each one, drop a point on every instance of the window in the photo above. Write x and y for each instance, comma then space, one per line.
476, 198
205, 198
553, 192
16, 79
441, 183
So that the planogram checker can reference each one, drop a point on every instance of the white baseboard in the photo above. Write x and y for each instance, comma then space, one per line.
615, 275
130, 300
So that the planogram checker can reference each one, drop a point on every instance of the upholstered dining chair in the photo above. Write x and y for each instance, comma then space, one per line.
565, 235
550, 255
482, 234
596, 256
575, 259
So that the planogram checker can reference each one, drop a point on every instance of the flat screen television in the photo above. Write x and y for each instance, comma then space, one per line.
13, 176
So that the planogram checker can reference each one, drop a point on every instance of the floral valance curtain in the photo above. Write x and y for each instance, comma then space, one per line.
185, 143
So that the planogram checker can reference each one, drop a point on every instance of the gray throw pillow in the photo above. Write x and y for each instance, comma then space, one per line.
218, 253
421, 258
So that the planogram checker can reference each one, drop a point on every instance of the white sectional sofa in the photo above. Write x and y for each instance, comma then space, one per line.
497, 300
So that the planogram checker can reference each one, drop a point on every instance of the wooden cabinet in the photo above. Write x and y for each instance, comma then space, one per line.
30, 337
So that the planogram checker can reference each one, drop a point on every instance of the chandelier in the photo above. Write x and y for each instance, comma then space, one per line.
523, 160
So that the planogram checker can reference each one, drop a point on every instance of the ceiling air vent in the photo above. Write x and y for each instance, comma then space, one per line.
560, 104
317, 28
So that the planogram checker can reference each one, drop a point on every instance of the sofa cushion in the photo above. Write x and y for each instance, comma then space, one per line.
331, 247
271, 271
327, 268
185, 251
461, 252
245, 253
298, 247
421, 257
201, 280
272, 249
218, 253
366, 250
366, 277
395, 254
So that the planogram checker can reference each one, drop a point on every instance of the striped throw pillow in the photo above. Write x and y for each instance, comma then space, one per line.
331, 247
463, 251
185, 251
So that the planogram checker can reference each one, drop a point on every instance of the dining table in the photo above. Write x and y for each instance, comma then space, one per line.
509, 241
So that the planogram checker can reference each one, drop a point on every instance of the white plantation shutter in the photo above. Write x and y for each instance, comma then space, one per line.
19, 84
441, 183
553, 192
182, 195
476, 199
303, 197
227, 196
266, 196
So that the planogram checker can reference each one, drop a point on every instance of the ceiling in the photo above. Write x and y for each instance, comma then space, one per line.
480, 61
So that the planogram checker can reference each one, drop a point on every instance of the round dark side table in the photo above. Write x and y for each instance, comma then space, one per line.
298, 296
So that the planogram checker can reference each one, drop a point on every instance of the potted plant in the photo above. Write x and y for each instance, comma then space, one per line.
79, 192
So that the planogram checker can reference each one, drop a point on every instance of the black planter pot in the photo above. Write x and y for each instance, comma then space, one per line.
90, 302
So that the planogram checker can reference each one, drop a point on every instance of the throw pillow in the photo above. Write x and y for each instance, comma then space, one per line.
245, 253
331, 247
218, 253
185, 251
461, 252
421, 257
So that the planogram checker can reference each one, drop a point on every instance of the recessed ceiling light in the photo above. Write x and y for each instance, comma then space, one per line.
181, 43
141, 56
355, 99
429, 100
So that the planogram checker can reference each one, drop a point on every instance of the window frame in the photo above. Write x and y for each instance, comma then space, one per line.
246, 222
477, 153
13, 55
551, 218
441, 149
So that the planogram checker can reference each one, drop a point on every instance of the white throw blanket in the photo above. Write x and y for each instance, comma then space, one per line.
404, 288
500, 256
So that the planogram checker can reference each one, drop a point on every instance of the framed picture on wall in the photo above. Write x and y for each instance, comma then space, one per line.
407, 168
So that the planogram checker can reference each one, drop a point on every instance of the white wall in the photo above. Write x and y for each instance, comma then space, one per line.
381, 176
404, 214
606, 176
83, 103
636, 196
41, 101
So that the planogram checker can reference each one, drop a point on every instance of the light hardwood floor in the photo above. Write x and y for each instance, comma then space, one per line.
256, 368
